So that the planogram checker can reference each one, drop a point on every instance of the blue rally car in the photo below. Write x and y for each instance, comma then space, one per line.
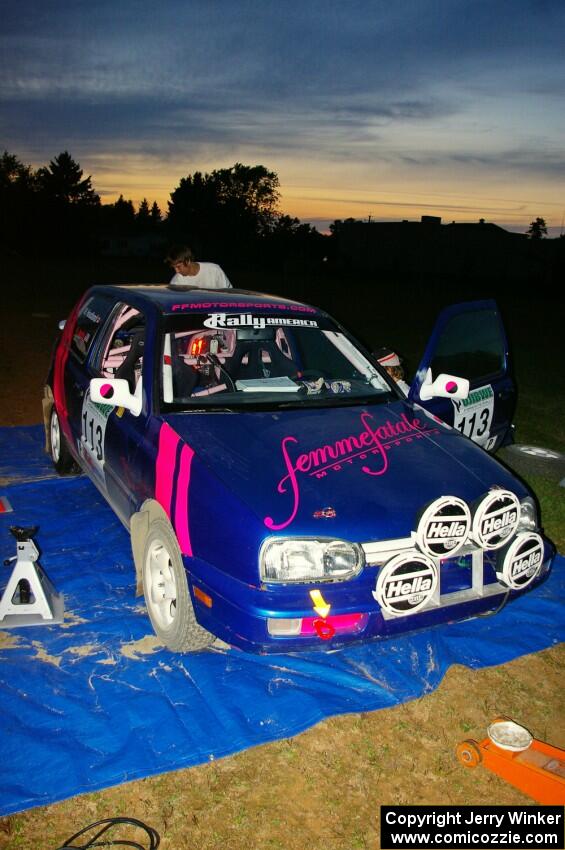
280, 491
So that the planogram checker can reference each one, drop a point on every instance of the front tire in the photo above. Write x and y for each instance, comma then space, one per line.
61, 457
166, 591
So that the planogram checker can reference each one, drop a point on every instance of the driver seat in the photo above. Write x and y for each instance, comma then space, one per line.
280, 366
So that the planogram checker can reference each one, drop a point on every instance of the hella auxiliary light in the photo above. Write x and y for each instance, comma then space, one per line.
444, 527
496, 519
306, 559
522, 561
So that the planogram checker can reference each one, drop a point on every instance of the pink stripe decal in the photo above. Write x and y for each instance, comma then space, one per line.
61, 357
165, 467
182, 502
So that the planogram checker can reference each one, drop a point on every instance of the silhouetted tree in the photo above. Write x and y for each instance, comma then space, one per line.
289, 243
63, 182
69, 207
18, 201
148, 219
537, 229
14, 174
118, 218
337, 225
143, 216
225, 212
252, 191
156, 217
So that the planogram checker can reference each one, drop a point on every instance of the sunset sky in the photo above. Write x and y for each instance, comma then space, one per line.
453, 108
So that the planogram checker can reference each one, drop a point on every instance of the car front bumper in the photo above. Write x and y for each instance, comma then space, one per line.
282, 618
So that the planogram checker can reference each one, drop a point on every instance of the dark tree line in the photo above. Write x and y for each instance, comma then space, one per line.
55, 209
229, 215
232, 214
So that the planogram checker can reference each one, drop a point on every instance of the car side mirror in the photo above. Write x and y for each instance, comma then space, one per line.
444, 386
115, 391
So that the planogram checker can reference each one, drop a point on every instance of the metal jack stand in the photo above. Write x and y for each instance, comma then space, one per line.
30, 598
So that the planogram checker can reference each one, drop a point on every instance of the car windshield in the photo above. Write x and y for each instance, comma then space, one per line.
243, 360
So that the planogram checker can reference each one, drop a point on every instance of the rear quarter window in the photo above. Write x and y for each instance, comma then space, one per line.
91, 318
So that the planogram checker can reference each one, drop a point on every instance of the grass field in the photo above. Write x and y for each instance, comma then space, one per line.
322, 789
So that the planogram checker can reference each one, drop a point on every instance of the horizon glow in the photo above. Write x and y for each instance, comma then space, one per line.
451, 108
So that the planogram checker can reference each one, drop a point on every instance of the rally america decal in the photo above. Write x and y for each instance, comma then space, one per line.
248, 320
371, 446
473, 415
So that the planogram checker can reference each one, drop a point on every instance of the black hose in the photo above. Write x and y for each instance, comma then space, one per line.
107, 824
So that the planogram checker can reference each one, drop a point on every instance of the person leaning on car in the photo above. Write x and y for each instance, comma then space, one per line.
390, 360
192, 273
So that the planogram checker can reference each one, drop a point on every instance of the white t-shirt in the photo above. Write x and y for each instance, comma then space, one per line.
210, 276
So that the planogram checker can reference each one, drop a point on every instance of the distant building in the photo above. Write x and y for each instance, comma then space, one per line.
430, 248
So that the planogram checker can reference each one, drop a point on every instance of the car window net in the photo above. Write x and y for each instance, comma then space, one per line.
122, 354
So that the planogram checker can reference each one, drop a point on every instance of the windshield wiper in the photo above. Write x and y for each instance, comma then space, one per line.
203, 410
336, 401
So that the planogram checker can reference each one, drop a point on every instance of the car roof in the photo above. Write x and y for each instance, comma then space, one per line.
168, 300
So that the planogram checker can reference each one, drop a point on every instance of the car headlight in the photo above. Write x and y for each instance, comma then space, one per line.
309, 559
528, 515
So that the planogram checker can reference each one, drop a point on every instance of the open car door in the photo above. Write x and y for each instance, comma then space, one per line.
469, 341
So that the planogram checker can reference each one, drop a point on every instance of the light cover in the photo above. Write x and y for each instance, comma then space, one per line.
309, 559
496, 519
523, 560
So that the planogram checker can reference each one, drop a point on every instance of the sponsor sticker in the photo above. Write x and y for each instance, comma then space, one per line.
406, 584
248, 320
94, 421
244, 305
444, 527
370, 448
90, 314
496, 519
522, 561
473, 415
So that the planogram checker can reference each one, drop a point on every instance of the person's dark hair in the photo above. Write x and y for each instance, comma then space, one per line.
180, 254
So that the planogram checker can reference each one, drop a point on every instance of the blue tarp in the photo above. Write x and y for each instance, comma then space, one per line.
96, 702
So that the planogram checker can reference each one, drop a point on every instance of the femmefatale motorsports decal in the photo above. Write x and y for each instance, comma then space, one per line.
372, 444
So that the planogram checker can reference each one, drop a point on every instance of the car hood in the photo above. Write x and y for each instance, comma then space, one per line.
361, 473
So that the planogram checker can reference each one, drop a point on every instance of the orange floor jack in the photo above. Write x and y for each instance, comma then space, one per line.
510, 751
